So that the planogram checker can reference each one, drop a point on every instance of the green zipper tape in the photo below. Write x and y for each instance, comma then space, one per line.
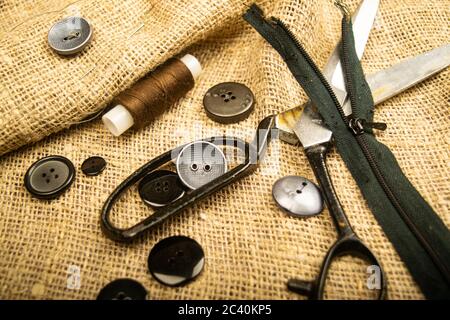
419, 236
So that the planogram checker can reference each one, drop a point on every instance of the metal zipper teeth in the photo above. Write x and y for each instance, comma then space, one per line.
313, 66
362, 141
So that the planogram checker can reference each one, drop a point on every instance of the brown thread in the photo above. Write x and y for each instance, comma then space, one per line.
151, 96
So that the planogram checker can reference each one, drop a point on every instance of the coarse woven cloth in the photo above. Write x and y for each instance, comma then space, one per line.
251, 247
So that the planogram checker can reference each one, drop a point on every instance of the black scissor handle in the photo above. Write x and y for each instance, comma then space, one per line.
349, 245
253, 153
348, 242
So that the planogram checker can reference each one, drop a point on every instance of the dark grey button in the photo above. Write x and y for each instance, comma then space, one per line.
176, 260
199, 163
49, 177
229, 102
160, 188
93, 166
298, 196
70, 35
123, 289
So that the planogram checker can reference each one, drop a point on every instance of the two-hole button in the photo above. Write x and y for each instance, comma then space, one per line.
298, 196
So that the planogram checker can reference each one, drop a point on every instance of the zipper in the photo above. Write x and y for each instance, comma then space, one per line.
359, 128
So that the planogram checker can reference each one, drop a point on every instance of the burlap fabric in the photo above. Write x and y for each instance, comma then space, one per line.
251, 247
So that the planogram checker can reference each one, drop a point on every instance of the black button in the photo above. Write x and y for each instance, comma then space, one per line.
49, 177
176, 260
123, 289
229, 102
160, 188
93, 166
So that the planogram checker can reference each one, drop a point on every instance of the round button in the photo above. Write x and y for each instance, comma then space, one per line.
70, 35
199, 163
49, 177
160, 188
123, 289
298, 196
176, 260
93, 166
229, 102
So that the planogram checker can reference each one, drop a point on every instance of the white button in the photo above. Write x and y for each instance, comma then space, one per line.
70, 35
199, 163
297, 196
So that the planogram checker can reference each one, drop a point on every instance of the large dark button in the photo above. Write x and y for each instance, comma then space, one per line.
93, 166
199, 163
160, 188
70, 35
176, 260
49, 177
123, 289
298, 196
228, 102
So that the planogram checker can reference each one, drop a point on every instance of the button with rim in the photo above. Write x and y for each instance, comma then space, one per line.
298, 196
160, 188
123, 289
49, 177
70, 35
93, 166
176, 260
199, 163
229, 102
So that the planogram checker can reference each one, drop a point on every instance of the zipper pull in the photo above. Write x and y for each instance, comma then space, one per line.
359, 126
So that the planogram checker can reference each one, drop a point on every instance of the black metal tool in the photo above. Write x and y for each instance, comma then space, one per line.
298, 124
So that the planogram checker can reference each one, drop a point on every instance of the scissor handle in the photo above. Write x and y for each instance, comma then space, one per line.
253, 153
349, 245
317, 158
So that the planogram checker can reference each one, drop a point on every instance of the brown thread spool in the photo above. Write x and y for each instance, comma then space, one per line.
139, 105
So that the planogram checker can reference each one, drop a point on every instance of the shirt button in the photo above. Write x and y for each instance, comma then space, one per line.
49, 177
229, 102
123, 289
176, 260
199, 163
160, 188
298, 196
70, 35
93, 166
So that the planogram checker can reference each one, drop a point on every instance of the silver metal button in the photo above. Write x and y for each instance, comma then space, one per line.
70, 35
298, 196
199, 163
228, 102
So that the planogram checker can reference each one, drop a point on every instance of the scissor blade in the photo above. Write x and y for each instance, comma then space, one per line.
402, 76
383, 84
363, 20
309, 128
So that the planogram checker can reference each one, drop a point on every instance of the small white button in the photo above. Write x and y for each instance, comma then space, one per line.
297, 196
70, 35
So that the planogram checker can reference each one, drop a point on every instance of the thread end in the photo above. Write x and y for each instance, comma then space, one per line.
118, 120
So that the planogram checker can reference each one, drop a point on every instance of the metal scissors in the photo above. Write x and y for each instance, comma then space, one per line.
300, 124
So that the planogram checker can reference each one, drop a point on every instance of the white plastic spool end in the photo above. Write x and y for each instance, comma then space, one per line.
118, 120
192, 64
